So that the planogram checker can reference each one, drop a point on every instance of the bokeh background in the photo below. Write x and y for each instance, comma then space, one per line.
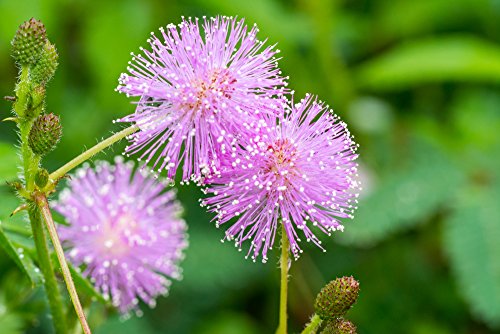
417, 82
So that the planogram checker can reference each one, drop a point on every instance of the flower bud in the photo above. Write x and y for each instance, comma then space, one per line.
44, 134
28, 43
336, 298
46, 66
41, 178
339, 326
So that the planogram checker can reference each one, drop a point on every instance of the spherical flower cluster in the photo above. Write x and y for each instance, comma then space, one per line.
197, 90
124, 230
298, 170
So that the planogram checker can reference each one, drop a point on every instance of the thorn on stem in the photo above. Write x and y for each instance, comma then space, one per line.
10, 98
16, 185
19, 209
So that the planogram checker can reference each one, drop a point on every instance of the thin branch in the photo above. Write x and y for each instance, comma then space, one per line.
92, 151
43, 205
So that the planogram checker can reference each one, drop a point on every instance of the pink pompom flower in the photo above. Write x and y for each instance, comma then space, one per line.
199, 85
298, 170
124, 230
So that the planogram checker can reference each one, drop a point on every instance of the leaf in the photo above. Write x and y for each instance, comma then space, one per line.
11, 323
478, 130
10, 161
405, 198
15, 237
471, 239
22, 259
16, 227
399, 18
452, 58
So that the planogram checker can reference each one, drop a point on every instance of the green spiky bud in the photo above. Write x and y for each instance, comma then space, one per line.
339, 326
28, 43
46, 66
41, 178
336, 298
45, 134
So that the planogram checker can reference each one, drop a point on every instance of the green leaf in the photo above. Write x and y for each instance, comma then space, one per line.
10, 161
471, 239
478, 130
11, 323
452, 58
22, 259
16, 227
15, 237
400, 18
404, 198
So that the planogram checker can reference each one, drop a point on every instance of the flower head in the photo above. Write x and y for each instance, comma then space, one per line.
297, 170
125, 231
197, 90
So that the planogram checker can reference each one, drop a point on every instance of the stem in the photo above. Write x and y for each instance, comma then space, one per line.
30, 165
285, 245
43, 205
92, 151
313, 325
30, 160
50, 281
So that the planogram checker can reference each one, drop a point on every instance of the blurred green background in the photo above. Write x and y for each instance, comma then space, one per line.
417, 82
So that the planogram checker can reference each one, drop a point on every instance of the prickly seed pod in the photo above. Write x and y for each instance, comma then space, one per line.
336, 298
46, 66
27, 45
339, 326
41, 178
45, 134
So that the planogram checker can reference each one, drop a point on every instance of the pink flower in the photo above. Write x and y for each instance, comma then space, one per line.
124, 230
198, 90
298, 170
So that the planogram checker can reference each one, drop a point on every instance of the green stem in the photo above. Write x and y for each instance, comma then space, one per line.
30, 165
50, 281
22, 92
92, 151
285, 245
313, 325
43, 205
30, 160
